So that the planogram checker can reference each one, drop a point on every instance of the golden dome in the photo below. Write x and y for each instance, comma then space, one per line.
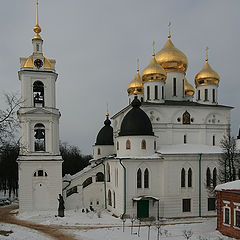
136, 85
207, 76
171, 58
188, 89
154, 72
29, 63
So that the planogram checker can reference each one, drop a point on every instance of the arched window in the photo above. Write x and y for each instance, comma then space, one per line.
87, 182
117, 145
40, 173
155, 145
189, 177
109, 198
114, 200
146, 178
139, 178
185, 139
38, 94
99, 151
99, 177
148, 93
186, 118
214, 177
128, 144
183, 178
108, 173
143, 145
208, 177
39, 137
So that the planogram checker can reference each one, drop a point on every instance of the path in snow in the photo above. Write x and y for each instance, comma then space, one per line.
53, 231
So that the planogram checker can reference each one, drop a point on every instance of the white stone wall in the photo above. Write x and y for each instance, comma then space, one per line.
151, 86
104, 150
210, 94
39, 193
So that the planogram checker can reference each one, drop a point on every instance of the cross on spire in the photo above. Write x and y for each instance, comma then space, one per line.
207, 54
137, 64
153, 48
169, 29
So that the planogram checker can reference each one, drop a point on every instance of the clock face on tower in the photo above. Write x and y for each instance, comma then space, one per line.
38, 63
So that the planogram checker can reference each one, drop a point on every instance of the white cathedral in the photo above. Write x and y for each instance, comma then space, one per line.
157, 160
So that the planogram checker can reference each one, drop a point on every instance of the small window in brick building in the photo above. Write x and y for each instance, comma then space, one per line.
227, 216
237, 218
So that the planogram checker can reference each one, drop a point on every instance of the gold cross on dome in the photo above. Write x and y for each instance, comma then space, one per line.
207, 54
153, 48
137, 64
169, 29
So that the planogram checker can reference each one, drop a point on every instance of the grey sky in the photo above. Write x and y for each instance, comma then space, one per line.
96, 44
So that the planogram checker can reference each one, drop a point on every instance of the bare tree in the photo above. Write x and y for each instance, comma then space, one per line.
229, 164
8, 118
187, 233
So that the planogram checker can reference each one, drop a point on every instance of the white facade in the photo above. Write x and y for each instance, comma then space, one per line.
40, 163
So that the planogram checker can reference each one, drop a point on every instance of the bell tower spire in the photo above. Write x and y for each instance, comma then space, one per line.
37, 28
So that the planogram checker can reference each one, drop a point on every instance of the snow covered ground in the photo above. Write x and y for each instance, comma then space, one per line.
19, 233
88, 226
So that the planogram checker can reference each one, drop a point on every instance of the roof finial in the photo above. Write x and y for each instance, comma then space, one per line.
37, 28
153, 48
207, 54
169, 29
138, 65
107, 114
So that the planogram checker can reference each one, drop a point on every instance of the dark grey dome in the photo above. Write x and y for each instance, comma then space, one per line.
136, 122
105, 135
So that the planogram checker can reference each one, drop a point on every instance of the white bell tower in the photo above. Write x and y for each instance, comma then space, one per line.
39, 161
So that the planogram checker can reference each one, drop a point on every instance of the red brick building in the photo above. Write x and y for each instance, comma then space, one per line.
228, 209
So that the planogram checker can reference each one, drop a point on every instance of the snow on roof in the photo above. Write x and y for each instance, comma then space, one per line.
154, 156
78, 174
188, 149
234, 185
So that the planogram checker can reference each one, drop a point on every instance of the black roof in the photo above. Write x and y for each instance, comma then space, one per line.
105, 135
136, 122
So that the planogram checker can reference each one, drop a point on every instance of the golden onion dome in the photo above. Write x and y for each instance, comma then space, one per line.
154, 72
136, 85
171, 58
29, 63
188, 89
207, 76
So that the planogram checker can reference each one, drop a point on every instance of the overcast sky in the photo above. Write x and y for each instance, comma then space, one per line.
96, 44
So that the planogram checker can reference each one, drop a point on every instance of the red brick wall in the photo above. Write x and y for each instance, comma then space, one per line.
231, 197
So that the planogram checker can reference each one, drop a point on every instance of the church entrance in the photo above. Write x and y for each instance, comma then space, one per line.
143, 209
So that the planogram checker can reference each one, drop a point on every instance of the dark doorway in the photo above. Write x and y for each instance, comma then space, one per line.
143, 209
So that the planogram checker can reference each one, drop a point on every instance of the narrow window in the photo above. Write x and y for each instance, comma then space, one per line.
208, 176
183, 90
213, 96
108, 173
114, 200
148, 93
146, 178
116, 177
213, 140
141, 99
99, 151
38, 94
185, 139
139, 178
226, 216
162, 92
174, 87
206, 95
211, 204
186, 117
189, 177
39, 137
183, 178
155, 146
156, 92
237, 218
109, 198
117, 145
199, 95
214, 177
186, 205
128, 145
143, 144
